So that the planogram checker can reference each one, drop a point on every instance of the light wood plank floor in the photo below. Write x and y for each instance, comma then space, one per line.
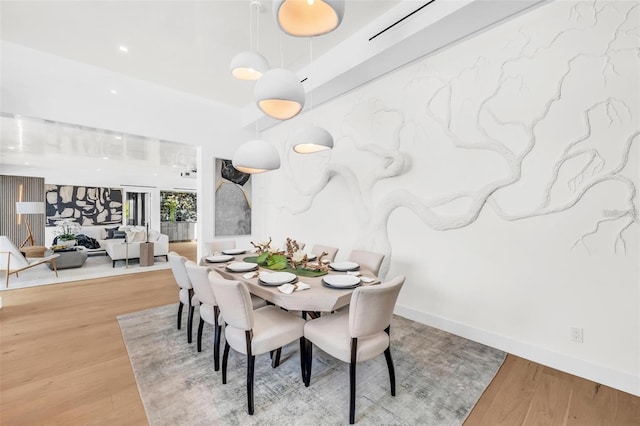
63, 361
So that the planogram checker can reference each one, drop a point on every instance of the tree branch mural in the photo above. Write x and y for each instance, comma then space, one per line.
518, 107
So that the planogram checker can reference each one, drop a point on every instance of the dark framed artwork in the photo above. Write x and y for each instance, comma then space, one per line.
232, 200
84, 204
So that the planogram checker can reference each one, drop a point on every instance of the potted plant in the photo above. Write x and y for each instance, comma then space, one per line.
66, 231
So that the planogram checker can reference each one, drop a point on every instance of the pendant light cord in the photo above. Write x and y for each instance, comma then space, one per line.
311, 75
257, 28
281, 55
250, 26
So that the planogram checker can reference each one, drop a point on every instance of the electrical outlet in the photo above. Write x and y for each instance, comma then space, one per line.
576, 335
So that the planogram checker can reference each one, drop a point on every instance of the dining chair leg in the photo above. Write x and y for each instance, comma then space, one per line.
190, 323
200, 326
352, 381
392, 374
303, 358
180, 306
251, 362
275, 360
308, 352
225, 355
217, 330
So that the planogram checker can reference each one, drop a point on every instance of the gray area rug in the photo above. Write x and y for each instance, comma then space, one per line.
439, 378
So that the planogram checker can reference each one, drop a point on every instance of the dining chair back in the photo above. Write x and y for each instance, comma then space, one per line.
217, 246
267, 329
209, 310
185, 292
367, 260
331, 251
356, 335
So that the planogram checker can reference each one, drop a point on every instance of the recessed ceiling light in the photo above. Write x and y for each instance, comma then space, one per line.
11, 147
105, 158
113, 91
26, 163
124, 49
174, 166
118, 137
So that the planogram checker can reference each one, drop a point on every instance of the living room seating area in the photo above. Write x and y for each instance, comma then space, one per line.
122, 242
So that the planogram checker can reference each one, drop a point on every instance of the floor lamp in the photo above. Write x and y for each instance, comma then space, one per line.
27, 208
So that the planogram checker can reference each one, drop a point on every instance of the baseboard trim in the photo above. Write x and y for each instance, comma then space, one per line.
600, 374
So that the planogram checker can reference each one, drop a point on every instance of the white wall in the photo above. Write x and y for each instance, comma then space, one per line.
500, 177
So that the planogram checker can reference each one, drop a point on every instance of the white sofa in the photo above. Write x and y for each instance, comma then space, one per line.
115, 248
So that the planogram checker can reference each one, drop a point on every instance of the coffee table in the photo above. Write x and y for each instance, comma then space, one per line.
69, 258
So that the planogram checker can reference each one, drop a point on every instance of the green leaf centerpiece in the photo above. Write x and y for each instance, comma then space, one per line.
293, 261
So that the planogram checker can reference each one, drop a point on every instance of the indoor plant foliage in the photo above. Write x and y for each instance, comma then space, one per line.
66, 230
293, 258
271, 258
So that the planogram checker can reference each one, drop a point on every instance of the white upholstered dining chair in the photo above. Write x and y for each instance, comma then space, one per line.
253, 332
367, 260
356, 335
201, 277
216, 247
185, 293
331, 251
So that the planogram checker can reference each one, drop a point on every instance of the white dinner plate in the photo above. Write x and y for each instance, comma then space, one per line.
234, 251
277, 278
341, 281
218, 258
344, 266
242, 266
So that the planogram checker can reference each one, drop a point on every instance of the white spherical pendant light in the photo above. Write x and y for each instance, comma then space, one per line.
279, 94
313, 139
248, 65
256, 156
308, 18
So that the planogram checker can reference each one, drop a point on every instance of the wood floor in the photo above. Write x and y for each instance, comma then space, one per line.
63, 361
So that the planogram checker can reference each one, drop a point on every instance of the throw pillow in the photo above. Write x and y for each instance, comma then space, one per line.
110, 232
115, 234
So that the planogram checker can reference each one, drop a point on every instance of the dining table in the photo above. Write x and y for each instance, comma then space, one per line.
317, 298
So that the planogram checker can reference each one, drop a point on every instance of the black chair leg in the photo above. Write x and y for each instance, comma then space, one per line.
225, 355
392, 373
303, 357
180, 306
200, 326
217, 330
275, 360
308, 355
251, 361
190, 323
352, 381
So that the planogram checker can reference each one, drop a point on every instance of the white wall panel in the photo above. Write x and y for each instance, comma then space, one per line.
500, 175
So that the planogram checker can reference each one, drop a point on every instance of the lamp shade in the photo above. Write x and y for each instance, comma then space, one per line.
30, 207
308, 18
279, 94
256, 156
313, 139
248, 65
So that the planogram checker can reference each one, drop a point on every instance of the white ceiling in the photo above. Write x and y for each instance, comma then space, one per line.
182, 44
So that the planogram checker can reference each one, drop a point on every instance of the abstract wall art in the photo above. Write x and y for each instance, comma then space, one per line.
86, 205
232, 200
